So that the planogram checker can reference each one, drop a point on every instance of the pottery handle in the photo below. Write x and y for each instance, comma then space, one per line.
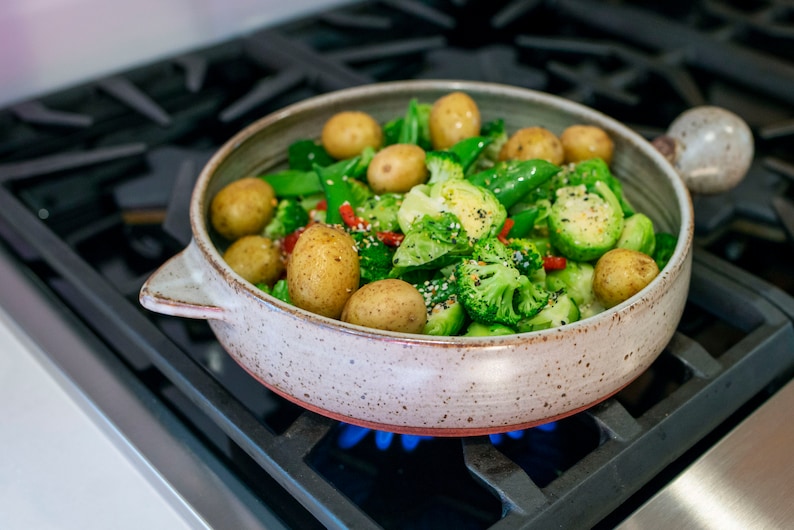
710, 147
178, 288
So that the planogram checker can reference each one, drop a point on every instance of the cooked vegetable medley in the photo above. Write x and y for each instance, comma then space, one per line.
436, 223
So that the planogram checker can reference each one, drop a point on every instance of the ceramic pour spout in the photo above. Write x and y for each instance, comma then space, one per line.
710, 147
182, 287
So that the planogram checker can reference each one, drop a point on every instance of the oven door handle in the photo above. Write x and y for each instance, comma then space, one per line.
183, 286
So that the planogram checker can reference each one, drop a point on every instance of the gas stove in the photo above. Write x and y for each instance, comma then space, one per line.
96, 181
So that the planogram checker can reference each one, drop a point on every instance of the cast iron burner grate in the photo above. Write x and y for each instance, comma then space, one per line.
95, 188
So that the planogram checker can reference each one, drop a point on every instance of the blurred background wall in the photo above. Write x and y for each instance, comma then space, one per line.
50, 44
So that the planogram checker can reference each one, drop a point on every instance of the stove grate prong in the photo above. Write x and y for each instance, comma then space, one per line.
386, 50
356, 20
263, 91
36, 112
195, 68
423, 11
126, 92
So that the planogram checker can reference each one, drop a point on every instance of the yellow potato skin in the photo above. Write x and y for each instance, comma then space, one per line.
620, 274
533, 142
323, 270
347, 133
242, 208
255, 258
583, 142
453, 118
390, 305
397, 168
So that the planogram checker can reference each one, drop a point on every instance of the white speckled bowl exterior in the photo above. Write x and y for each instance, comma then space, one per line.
443, 386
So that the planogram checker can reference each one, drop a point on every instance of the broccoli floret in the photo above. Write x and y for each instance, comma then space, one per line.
488, 291
478, 329
491, 250
525, 255
584, 225
443, 166
532, 298
477, 209
432, 242
445, 318
493, 290
375, 257
560, 310
522, 255
289, 216
381, 211
638, 234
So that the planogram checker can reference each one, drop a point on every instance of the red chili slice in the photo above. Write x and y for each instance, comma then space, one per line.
554, 263
288, 243
506, 230
392, 239
350, 218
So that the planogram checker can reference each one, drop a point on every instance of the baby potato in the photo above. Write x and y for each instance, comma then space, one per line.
347, 133
255, 258
323, 270
583, 142
242, 207
391, 305
533, 142
620, 274
397, 168
453, 118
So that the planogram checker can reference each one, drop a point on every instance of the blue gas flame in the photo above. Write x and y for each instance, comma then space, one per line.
352, 435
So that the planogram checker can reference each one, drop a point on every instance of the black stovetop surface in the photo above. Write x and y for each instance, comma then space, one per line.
96, 180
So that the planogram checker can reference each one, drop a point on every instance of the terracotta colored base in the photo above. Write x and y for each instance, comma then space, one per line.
440, 432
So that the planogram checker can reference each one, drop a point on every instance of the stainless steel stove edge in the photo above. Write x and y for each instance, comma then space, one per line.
177, 467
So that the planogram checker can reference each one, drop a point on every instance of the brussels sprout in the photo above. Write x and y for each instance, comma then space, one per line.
445, 318
432, 242
638, 234
477, 329
477, 209
576, 279
584, 225
381, 211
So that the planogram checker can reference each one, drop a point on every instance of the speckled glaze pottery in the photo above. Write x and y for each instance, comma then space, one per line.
442, 386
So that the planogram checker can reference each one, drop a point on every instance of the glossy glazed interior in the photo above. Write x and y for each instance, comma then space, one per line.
442, 385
